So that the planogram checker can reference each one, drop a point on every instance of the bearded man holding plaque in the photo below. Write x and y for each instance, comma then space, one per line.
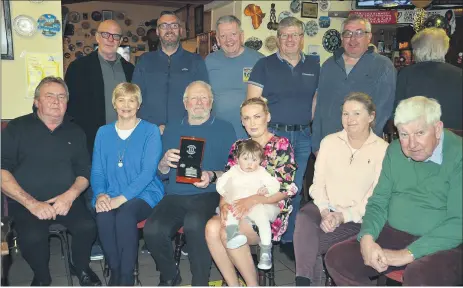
195, 153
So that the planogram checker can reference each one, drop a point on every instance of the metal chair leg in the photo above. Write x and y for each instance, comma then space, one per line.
179, 242
65, 244
136, 273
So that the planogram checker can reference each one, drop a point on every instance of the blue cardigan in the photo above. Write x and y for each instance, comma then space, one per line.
137, 177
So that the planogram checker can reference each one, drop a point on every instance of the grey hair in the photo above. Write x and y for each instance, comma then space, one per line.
417, 107
228, 19
204, 84
51, 79
354, 18
430, 44
290, 22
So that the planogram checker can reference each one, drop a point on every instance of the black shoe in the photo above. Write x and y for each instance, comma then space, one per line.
86, 277
36, 282
172, 282
302, 281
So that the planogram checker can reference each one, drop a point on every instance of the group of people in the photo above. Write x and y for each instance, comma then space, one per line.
107, 137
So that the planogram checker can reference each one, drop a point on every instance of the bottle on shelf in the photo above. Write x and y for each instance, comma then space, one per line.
381, 42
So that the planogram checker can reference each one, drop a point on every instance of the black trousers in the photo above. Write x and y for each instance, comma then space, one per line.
119, 236
174, 211
33, 237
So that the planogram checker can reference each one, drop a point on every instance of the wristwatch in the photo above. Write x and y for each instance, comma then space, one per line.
214, 177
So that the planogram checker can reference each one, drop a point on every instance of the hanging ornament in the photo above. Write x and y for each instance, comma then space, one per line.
272, 25
256, 14
418, 19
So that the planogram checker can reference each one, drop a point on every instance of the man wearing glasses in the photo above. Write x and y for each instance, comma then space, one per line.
91, 81
289, 79
164, 74
354, 67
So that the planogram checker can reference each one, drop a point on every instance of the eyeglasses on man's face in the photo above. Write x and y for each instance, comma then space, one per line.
355, 34
295, 36
165, 26
106, 35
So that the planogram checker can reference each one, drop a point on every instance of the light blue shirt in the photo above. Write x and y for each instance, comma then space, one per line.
436, 156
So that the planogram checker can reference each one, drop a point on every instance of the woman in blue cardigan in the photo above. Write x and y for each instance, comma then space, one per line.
125, 158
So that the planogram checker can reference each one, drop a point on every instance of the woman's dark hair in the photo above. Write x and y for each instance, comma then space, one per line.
367, 102
250, 147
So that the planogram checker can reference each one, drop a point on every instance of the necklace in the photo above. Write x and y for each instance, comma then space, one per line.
120, 154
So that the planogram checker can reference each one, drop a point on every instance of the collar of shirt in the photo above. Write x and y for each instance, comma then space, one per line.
283, 60
436, 156
178, 52
118, 58
208, 121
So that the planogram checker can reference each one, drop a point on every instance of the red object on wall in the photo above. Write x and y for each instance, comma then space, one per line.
378, 17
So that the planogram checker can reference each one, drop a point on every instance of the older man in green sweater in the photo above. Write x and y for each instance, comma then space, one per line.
413, 221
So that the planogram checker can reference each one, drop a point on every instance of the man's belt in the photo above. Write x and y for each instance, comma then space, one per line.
287, 128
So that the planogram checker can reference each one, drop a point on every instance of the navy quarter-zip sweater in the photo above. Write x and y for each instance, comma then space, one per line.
163, 79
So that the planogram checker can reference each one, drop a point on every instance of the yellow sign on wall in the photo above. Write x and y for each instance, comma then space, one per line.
39, 66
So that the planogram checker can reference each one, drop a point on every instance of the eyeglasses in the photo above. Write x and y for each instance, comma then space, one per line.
106, 35
165, 26
355, 34
295, 36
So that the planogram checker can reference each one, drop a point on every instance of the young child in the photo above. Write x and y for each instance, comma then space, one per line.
243, 180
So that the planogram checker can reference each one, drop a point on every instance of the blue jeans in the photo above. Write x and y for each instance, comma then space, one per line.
302, 146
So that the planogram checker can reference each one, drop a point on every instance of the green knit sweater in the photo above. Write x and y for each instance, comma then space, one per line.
421, 198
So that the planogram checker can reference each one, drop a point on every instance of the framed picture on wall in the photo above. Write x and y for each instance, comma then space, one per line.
107, 15
309, 10
5, 28
199, 11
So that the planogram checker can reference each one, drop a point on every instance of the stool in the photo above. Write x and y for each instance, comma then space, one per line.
61, 232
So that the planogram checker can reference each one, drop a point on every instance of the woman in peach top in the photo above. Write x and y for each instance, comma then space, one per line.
346, 171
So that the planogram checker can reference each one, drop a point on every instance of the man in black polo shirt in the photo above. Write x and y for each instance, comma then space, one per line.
289, 79
45, 167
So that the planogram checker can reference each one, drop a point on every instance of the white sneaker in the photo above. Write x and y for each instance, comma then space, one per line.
237, 241
265, 261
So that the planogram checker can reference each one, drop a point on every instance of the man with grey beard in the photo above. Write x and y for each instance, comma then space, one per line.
164, 74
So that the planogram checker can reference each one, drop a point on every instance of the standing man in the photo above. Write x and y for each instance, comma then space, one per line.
353, 68
289, 79
163, 75
91, 81
229, 70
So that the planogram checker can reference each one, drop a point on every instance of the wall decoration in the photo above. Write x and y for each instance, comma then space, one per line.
325, 5
79, 43
39, 66
331, 40
125, 40
295, 6
49, 25
199, 15
96, 16
271, 43
253, 43
272, 25
378, 16
85, 25
134, 38
141, 31
85, 16
107, 15
309, 10
66, 40
128, 22
67, 55
256, 14
284, 15
74, 17
71, 47
128, 33
311, 28
93, 31
141, 47
324, 21
88, 50
120, 16
69, 30
79, 54
6, 33
24, 25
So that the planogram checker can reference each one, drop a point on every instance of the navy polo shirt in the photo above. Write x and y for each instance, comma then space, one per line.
289, 90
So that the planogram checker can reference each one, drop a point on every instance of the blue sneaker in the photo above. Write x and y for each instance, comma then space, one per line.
97, 253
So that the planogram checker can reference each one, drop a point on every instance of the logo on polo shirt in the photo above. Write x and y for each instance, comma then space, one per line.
246, 73
308, 74
184, 69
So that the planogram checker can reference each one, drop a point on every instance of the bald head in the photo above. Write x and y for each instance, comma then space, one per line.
109, 37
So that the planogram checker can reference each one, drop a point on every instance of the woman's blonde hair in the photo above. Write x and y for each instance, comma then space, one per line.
127, 89
256, 101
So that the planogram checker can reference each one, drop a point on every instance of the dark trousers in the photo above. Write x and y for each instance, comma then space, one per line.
33, 237
311, 243
174, 211
345, 263
119, 236
88, 194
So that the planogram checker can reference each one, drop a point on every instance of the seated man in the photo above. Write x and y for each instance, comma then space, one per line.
189, 205
419, 195
45, 168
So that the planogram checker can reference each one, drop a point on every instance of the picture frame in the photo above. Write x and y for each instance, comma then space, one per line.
6, 31
309, 10
107, 15
199, 13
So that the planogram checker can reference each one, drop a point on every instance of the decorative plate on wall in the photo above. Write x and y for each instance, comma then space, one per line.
324, 5
67, 55
295, 6
141, 31
96, 16
74, 17
120, 16
271, 43
128, 34
85, 25
331, 40
24, 25
49, 25
324, 21
311, 28
128, 22
88, 50
253, 43
284, 15
134, 38
78, 54
71, 47
93, 31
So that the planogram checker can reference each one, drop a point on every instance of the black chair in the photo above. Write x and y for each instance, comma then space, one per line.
61, 232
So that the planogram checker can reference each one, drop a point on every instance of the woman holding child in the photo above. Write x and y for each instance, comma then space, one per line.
278, 160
